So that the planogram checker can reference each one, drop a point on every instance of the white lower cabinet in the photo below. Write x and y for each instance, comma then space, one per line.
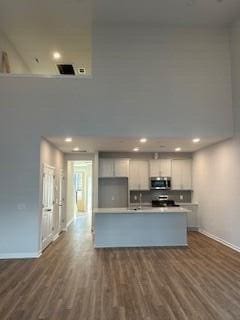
139, 175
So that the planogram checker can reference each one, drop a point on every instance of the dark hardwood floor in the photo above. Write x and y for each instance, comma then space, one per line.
72, 281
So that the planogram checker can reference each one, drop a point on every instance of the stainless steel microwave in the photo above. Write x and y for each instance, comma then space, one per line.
160, 183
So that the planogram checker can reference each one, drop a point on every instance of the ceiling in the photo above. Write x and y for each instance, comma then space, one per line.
36, 29
169, 12
93, 144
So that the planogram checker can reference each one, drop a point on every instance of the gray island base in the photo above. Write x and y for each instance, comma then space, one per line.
150, 227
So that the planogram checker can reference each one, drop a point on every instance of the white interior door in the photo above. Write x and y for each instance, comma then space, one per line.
61, 201
47, 205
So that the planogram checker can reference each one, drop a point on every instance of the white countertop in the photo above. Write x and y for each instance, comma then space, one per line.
142, 210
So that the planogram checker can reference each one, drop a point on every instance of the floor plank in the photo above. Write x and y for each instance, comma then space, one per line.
72, 281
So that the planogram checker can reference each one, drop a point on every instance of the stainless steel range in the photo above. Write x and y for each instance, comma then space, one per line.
163, 201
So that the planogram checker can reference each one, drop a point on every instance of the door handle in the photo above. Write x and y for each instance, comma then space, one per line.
48, 210
60, 205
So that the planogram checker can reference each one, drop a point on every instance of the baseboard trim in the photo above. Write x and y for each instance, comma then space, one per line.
195, 229
70, 222
55, 237
20, 255
228, 244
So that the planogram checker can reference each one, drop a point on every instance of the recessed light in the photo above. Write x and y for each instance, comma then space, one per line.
136, 149
178, 149
196, 140
68, 139
56, 55
143, 140
76, 149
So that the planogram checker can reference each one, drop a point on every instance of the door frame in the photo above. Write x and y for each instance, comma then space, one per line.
62, 201
43, 166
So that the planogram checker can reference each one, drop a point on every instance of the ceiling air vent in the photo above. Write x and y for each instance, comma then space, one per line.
79, 151
66, 69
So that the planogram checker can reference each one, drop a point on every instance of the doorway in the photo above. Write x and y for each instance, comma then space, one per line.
48, 177
82, 178
79, 189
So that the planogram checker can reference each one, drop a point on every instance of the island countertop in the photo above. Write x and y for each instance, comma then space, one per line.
145, 227
143, 210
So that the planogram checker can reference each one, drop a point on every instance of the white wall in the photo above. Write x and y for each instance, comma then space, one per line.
160, 82
51, 155
235, 54
17, 63
216, 184
146, 81
216, 170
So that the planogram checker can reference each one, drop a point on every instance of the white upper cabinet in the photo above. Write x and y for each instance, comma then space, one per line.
160, 168
182, 174
106, 168
121, 167
110, 168
139, 175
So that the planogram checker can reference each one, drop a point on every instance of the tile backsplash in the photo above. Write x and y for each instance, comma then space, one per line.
147, 196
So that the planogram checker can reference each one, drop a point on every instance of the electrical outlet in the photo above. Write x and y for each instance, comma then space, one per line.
181, 197
21, 206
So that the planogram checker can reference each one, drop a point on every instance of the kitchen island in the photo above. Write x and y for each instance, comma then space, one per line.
145, 227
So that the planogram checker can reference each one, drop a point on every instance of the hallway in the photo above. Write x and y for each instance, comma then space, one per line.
72, 281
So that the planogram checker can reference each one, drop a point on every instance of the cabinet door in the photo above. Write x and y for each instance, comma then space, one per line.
155, 168
165, 168
160, 168
121, 167
176, 174
139, 175
187, 174
106, 168
182, 174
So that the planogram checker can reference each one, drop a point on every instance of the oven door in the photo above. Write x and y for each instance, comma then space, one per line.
160, 183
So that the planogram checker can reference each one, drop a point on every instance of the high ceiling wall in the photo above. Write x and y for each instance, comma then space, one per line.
235, 54
211, 13
166, 81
